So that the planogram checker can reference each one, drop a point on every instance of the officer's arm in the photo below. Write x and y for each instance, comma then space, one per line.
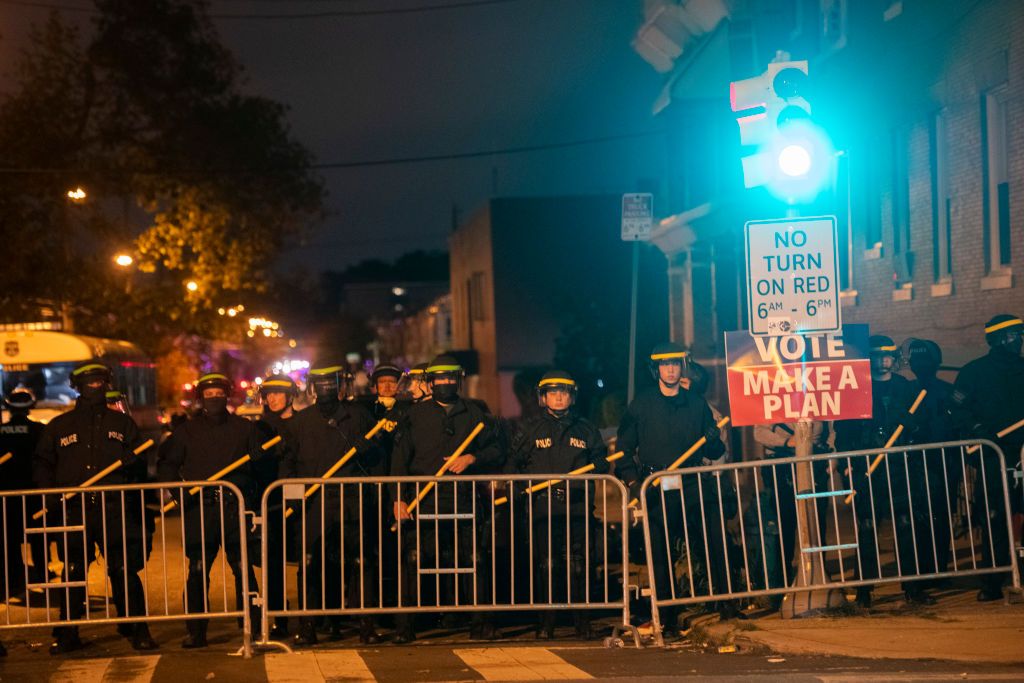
627, 440
962, 406
403, 451
134, 465
44, 460
713, 448
519, 453
171, 458
597, 451
488, 452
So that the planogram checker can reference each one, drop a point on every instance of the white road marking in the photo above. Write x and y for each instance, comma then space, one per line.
519, 664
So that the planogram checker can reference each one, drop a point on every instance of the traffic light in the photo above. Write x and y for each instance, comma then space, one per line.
791, 155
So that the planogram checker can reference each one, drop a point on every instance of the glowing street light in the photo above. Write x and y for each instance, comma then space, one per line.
124, 260
795, 161
192, 285
77, 194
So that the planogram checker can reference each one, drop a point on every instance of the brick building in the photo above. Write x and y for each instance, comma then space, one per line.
924, 101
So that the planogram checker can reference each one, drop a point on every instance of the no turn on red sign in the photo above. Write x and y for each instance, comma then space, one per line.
792, 276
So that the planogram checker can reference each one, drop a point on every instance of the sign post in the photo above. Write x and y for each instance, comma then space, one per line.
637, 220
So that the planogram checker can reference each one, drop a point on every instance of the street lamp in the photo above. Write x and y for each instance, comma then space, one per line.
192, 285
77, 194
124, 260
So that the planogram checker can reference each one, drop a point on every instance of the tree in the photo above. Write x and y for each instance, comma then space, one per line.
147, 112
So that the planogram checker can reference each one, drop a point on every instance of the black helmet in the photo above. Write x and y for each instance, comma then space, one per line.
88, 372
1001, 328
416, 374
444, 367
327, 380
556, 379
214, 379
20, 400
667, 352
925, 349
279, 384
880, 344
385, 370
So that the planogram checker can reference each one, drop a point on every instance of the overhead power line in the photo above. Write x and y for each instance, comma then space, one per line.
332, 165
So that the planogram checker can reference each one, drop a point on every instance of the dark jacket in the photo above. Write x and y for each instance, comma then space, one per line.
890, 403
429, 434
988, 396
19, 437
657, 429
317, 441
202, 446
80, 443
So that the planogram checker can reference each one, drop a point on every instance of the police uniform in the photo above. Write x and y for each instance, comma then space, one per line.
318, 437
551, 444
431, 432
884, 493
73, 447
19, 437
987, 398
195, 451
657, 429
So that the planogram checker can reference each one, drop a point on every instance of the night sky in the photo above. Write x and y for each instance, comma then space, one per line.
506, 74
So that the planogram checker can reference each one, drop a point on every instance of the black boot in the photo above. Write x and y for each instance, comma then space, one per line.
196, 634
404, 632
279, 629
483, 630
141, 638
584, 631
546, 627
65, 640
3, 650
864, 596
307, 633
367, 633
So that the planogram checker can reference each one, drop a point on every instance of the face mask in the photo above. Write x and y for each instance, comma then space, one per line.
446, 393
215, 405
386, 401
94, 395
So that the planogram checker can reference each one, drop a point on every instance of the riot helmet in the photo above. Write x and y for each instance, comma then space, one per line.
212, 392
1004, 332
556, 392
444, 376
385, 380
667, 364
882, 351
20, 401
91, 381
277, 393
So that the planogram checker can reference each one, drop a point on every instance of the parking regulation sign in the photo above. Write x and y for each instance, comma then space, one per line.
792, 276
637, 216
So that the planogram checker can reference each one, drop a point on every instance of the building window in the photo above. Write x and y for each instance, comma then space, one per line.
841, 201
900, 191
942, 243
869, 169
995, 172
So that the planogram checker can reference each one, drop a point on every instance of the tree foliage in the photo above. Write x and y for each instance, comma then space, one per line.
200, 180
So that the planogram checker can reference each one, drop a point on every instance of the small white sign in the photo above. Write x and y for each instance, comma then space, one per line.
637, 216
792, 276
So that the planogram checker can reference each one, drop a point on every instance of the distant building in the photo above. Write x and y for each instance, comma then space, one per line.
528, 275
419, 337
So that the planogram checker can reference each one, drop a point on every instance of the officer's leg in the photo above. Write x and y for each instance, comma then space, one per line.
125, 558
202, 541
991, 515
74, 551
475, 588
311, 573
417, 538
274, 571
666, 523
360, 567
580, 572
545, 548
867, 511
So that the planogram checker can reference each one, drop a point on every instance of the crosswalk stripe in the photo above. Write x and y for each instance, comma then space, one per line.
77, 670
519, 664
131, 669
343, 665
300, 667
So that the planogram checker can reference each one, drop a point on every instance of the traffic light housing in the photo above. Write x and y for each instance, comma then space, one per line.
790, 154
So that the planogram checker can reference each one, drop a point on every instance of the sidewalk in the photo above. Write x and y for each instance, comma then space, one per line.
957, 628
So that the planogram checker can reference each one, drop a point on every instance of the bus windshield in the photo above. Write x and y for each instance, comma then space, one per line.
49, 383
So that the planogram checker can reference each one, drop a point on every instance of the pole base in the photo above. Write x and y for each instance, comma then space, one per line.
811, 603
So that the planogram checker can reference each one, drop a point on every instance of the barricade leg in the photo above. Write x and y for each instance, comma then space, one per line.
990, 514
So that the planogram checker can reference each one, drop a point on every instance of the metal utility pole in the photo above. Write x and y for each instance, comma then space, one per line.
631, 387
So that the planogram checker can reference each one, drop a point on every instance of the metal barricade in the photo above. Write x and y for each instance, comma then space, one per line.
473, 544
723, 532
115, 556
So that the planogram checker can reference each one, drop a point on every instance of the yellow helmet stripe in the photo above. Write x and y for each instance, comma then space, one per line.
666, 356
444, 368
213, 376
1003, 325
277, 383
91, 366
415, 371
557, 380
883, 348
326, 371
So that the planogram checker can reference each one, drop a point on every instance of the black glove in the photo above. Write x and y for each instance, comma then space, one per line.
601, 465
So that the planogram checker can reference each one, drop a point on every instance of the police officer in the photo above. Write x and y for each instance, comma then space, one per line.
318, 437
558, 441
891, 396
277, 394
384, 380
431, 432
987, 398
936, 476
414, 385
660, 424
73, 447
198, 449
19, 437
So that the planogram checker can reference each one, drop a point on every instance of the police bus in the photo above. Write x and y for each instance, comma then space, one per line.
41, 361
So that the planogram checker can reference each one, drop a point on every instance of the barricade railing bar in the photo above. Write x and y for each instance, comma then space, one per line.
155, 566
721, 532
464, 549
